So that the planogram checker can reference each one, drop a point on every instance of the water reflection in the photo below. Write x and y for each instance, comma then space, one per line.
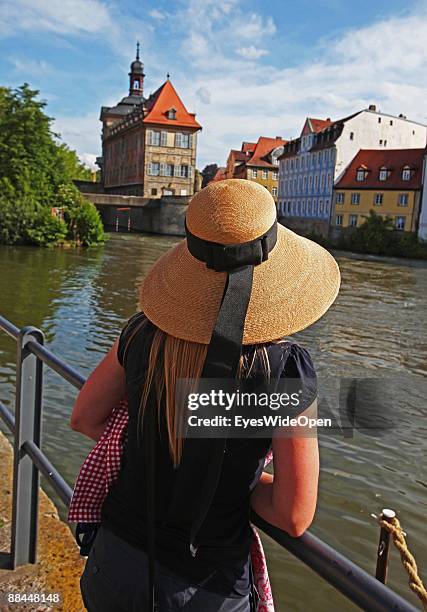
376, 328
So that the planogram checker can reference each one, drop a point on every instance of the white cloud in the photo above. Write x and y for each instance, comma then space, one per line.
158, 15
59, 16
204, 95
253, 27
251, 53
30, 66
81, 134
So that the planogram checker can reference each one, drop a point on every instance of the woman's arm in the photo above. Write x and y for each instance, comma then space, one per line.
102, 391
288, 498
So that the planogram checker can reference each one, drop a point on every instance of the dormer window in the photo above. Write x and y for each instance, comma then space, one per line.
383, 174
406, 174
361, 175
171, 114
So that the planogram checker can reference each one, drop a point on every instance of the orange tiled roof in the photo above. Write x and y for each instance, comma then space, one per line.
248, 146
164, 99
392, 159
263, 147
317, 125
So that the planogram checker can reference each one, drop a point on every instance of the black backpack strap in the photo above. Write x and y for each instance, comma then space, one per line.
149, 441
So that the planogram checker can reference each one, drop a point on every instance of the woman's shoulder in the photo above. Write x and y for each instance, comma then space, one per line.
136, 329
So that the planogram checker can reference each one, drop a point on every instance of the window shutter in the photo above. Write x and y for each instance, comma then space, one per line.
164, 139
150, 169
149, 137
178, 139
177, 170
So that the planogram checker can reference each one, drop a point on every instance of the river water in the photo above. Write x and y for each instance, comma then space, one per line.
377, 328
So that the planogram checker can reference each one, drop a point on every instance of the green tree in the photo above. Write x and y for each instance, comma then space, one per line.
208, 173
374, 235
36, 170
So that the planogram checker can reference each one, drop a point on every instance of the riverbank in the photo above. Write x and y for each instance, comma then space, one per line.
59, 565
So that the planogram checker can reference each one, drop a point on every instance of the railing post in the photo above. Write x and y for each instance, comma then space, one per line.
28, 417
384, 547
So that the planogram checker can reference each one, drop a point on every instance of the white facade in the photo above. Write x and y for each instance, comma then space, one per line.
307, 178
422, 224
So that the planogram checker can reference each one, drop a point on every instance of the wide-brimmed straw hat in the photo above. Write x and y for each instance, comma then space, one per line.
293, 285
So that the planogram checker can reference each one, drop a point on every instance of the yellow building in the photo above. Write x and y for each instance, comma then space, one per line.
257, 162
388, 182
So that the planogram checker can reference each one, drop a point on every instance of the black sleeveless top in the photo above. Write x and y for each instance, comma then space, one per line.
222, 561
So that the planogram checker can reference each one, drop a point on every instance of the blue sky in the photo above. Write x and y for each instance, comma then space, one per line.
247, 68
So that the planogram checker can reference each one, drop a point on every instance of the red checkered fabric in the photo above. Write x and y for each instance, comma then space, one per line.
100, 471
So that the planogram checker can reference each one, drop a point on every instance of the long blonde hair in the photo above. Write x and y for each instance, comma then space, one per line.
171, 359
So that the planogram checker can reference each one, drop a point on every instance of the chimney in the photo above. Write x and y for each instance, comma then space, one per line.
328, 119
402, 116
279, 138
372, 107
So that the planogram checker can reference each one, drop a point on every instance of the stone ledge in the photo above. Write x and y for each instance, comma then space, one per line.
59, 565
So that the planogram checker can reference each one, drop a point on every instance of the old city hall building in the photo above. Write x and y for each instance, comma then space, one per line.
148, 144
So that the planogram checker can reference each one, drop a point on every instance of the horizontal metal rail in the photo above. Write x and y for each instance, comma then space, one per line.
49, 471
55, 363
9, 327
7, 417
351, 580
29, 460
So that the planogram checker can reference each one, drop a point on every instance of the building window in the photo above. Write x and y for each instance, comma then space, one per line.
166, 170
381, 142
400, 223
183, 140
167, 192
154, 191
310, 182
402, 199
338, 220
164, 139
379, 119
316, 181
183, 171
406, 174
254, 173
355, 198
360, 176
352, 220
265, 174
320, 208
340, 197
383, 174
183, 192
171, 113
274, 191
296, 163
351, 135
154, 168
304, 183
391, 121
385, 143
275, 175
154, 138
378, 199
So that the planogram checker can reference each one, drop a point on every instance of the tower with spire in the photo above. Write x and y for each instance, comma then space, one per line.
148, 144
136, 75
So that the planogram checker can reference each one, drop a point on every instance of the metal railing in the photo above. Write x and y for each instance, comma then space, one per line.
29, 461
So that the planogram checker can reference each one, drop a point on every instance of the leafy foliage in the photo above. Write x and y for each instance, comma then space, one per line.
36, 174
208, 173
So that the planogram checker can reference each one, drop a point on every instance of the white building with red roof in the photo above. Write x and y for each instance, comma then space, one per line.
311, 164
